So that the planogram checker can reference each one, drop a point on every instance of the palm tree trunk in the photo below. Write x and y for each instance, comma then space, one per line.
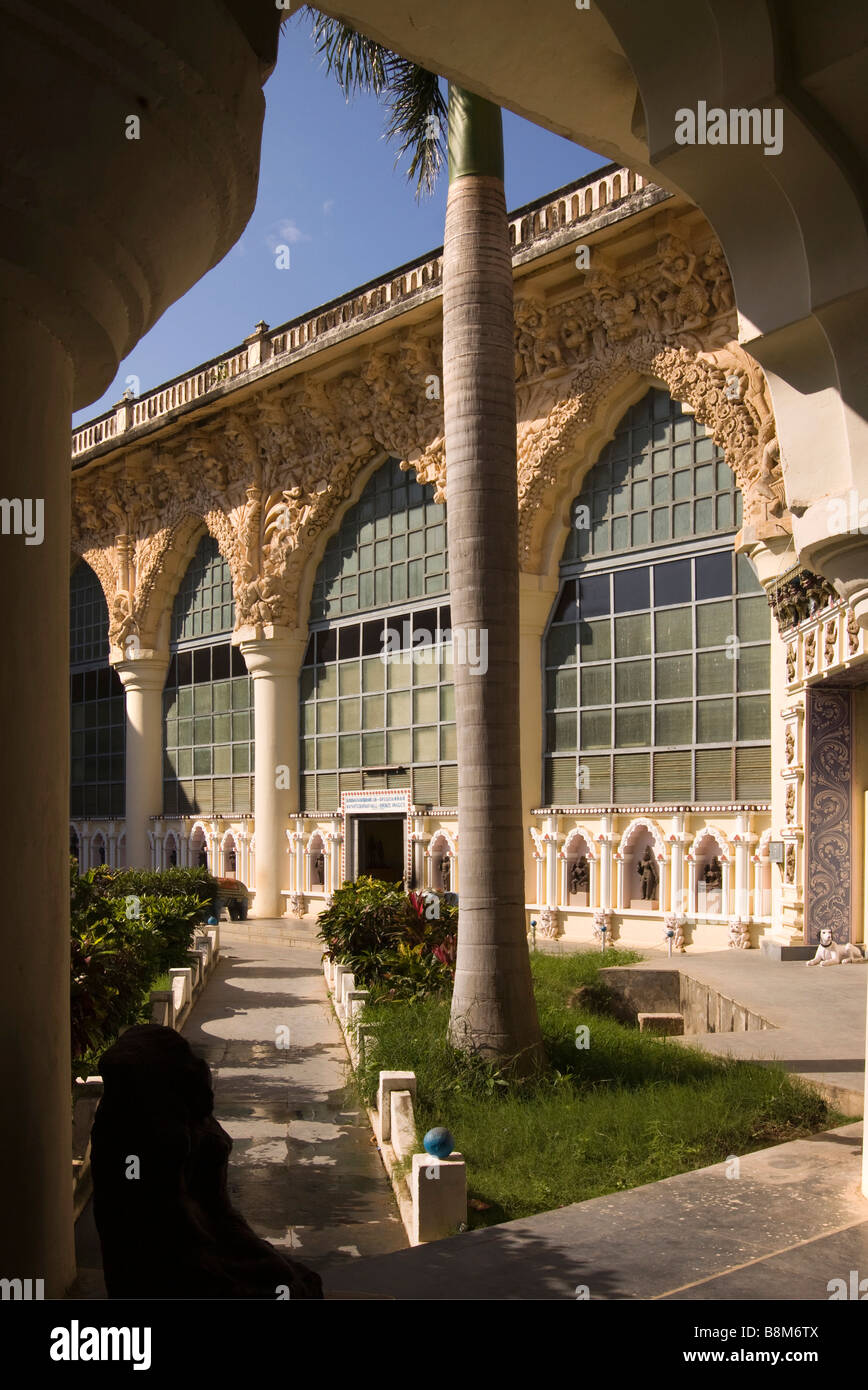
493, 1009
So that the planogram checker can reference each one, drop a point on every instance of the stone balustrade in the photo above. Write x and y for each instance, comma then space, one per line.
432, 1196
270, 349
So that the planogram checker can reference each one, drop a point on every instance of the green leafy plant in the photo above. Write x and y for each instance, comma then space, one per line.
128, 928
397, 944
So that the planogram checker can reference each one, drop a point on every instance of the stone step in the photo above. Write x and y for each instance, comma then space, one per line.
663, 1025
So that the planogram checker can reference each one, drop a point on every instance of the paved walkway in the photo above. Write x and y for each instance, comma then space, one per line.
304, 1170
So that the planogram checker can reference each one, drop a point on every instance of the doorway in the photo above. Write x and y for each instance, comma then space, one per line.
379, 846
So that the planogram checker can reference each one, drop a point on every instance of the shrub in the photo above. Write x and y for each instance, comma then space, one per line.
397, 944
128, 927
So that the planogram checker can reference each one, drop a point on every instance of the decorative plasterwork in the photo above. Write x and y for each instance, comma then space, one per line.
656, 834
269, 476
587, 836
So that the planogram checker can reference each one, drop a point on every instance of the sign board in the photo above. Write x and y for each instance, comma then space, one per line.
376, 803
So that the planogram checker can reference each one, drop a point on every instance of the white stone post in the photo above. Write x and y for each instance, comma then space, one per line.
691, 886
143, 678
593, 899
620, 900
274, 663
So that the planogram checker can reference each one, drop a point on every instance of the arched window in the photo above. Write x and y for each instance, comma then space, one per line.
97, 717
208, 697
657, 652
368, 721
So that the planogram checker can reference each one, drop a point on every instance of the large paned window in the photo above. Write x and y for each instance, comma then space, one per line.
377, 700
657, 655
391, 548
207, 698
97, 716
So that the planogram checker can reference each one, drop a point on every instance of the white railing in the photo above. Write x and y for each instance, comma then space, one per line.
569, 207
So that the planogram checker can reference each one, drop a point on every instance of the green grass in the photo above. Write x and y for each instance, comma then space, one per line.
626, 1110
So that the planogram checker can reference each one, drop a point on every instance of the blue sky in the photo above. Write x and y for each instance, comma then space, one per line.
329, 190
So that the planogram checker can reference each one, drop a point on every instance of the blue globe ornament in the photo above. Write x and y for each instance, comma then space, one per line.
439, 1142
212, 921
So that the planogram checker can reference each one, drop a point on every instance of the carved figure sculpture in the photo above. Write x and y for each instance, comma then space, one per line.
647, 871
580, 877
712, 875
832, 952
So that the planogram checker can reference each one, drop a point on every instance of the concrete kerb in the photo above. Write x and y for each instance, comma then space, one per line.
432, 1195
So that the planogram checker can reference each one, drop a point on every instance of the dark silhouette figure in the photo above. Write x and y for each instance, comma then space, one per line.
160, 1200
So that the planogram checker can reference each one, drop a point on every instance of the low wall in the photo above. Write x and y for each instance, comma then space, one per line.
704, 1009
431, 1192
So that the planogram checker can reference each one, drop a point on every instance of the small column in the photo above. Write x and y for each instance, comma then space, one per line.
274, 663
741, 906
143, 678
157, 837
620, 900
84, 852
606, 841
677, 903
724, 895
593, 899
691, 886
550, 839
418, 837
111, 852
243, 844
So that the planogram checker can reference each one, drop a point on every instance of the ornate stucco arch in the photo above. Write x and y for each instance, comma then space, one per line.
644, 823
710, 832
726, 391
578, 833
447, 837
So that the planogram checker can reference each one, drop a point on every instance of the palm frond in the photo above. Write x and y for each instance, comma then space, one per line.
414, 103
417, 117
358, 63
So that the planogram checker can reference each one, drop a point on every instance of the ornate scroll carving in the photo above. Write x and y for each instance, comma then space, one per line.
829, 848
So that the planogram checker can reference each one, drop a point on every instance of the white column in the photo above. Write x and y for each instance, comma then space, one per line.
741, 906
724, 892
111, 853
274, 663
691, 886
143, 678
593, 899
551, 844
84, 852
621, 901
157, 835
663, 872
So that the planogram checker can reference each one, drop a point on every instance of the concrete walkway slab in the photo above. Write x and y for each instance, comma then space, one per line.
304, 1170
792, 1220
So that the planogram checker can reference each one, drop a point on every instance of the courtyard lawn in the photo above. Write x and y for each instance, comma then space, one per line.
625, 1110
